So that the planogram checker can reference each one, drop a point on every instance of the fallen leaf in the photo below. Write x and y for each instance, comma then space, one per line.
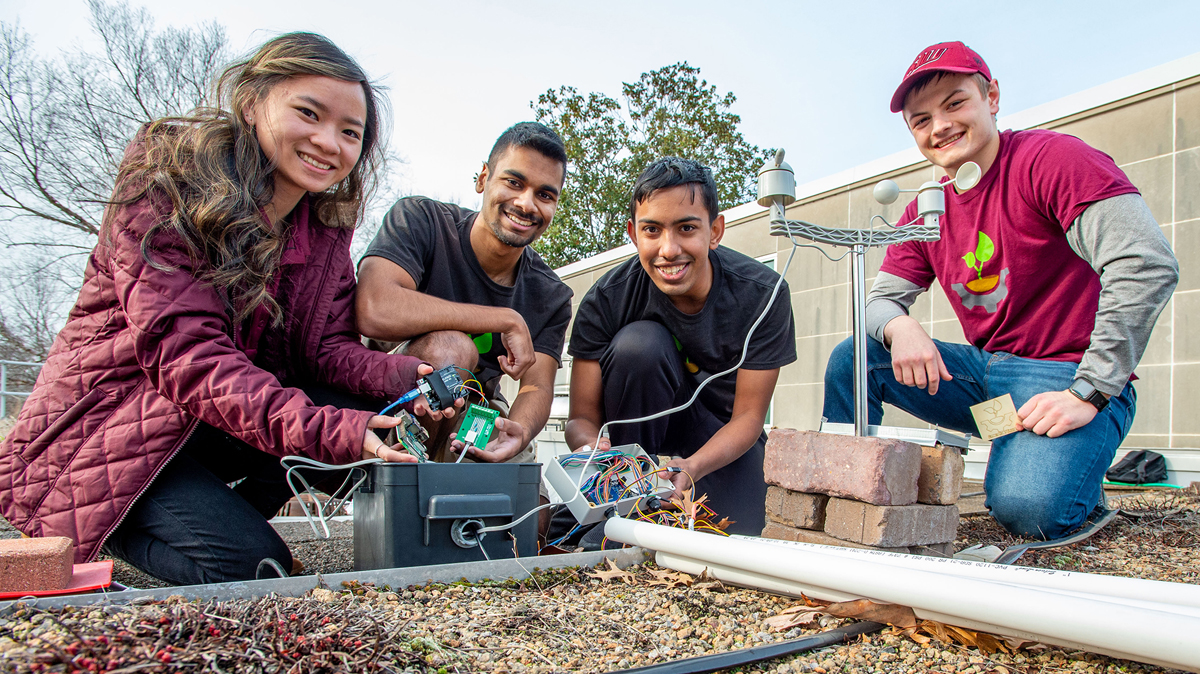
668, 578
794, 616
687, 505
613, 572
707, 582
865, 609
952, 634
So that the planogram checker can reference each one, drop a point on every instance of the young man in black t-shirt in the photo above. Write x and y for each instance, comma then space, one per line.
657, 325
466, 288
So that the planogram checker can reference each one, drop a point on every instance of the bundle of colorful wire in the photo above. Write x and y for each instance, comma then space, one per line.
618, 475
706, 519
466, 386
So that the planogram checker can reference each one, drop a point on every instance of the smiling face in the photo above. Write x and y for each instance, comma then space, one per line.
673, 235
520, 194
311, 128
953, 122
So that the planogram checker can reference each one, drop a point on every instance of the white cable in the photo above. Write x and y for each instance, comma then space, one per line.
324, 512
745, 349
502, 527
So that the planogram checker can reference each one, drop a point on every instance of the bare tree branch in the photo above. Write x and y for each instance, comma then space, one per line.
64, 124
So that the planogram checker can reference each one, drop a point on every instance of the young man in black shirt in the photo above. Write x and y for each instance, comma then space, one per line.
466, 288
657, 325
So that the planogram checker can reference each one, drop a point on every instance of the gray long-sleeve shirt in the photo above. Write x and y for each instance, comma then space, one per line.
1120, 239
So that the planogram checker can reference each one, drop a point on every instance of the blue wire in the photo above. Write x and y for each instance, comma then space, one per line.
411, 395
569, 534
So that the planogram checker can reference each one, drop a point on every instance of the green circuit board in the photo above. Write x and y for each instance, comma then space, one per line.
477, 425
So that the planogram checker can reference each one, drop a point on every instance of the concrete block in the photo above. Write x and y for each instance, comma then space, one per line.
933, 549
34, 564
941, 478
890, 526
782, 532
874, 470
796, 509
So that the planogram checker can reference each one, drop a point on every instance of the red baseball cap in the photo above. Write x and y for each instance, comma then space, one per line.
953, 57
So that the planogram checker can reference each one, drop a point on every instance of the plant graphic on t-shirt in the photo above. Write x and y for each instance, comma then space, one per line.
490, 347
687, 362
983, 252
483, 342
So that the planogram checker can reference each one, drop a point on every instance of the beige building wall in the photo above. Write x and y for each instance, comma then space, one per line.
1154, 136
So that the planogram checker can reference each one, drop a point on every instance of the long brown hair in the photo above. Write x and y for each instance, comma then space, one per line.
218, 180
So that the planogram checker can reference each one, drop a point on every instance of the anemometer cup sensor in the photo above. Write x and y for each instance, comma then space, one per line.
776, 179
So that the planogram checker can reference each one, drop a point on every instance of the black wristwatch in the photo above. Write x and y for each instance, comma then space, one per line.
1083, 389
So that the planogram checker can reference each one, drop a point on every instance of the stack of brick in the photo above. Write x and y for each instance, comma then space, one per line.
862, 492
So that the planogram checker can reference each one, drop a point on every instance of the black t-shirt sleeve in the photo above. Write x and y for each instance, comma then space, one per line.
774, 341
408, 237
550, 339
592, 330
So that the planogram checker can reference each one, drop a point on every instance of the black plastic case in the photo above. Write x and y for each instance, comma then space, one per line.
410, 514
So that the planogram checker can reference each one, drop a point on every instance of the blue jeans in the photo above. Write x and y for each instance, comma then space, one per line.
1037, 487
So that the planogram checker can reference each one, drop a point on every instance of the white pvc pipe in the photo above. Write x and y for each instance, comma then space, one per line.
783, 586
1157, 591
1143, 634
1126, 601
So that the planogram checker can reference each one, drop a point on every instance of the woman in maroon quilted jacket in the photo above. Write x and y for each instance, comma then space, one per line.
215, 330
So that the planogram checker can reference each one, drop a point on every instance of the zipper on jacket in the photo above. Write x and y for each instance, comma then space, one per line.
195, 423
324, 278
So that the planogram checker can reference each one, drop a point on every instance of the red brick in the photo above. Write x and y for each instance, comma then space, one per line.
890, 526
796, 509
34, 564
940, 482
875, 470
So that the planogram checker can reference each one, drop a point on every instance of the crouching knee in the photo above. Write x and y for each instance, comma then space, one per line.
641, 346
443, 348
244, 564
1031, 514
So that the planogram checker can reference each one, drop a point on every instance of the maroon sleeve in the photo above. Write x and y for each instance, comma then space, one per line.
908, 260
181, 341
1066, 175
343, 361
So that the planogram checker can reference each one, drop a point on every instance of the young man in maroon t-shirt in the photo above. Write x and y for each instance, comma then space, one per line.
1057, 272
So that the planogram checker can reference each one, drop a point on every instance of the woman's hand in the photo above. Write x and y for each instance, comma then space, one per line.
373, 447
421, 405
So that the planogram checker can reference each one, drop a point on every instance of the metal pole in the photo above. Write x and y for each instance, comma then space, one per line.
3, 391
858, 290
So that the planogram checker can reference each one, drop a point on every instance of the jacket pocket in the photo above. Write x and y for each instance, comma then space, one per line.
73, 414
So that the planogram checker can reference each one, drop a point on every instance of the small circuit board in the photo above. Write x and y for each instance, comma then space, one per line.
412, 436
477, 425
442, 388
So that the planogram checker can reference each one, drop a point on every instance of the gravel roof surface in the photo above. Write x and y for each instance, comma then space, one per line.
568, 621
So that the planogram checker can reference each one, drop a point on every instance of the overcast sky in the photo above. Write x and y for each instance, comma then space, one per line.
814, 78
